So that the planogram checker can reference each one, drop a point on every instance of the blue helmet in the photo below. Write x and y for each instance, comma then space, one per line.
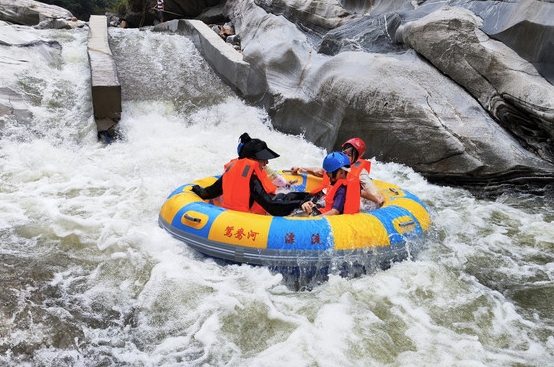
336, 160
243, 139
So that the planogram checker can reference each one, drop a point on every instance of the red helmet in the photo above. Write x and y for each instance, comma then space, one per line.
358, 144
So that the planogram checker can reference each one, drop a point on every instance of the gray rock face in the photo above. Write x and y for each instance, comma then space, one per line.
525, 26
459, 90
14, 108
422, 83
505, 85
35, 13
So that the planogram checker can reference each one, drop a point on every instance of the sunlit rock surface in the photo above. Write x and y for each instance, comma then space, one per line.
459, 90
35, 13
422, 83
506, 86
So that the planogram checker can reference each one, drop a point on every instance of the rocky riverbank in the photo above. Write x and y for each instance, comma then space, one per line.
461, 91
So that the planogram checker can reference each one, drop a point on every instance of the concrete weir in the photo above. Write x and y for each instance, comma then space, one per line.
224, 59
106, 90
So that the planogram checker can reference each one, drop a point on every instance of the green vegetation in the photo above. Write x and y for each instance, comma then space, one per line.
82, 9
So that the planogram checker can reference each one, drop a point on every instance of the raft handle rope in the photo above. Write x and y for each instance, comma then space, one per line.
192, 219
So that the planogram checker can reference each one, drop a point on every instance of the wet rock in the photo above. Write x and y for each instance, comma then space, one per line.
505, 85
35, 13
421, 83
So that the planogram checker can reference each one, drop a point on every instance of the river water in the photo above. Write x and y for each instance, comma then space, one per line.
89, 279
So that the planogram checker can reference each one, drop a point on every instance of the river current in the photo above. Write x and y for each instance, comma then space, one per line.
89, 279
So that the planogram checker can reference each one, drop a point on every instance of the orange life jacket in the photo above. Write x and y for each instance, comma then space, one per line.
358, 167
352, 200
355, 171
325, 182
236, 185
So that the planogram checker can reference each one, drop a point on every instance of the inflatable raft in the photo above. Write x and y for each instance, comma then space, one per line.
240, 237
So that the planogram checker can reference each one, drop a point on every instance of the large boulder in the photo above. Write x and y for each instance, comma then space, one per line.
525, 26
506, 86
422, 85
35, 13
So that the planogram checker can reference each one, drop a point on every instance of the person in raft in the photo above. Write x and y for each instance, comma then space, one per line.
275, 177
246, 187
354, 148
342, 196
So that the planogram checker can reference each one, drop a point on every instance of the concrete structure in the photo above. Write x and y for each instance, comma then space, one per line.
224, 59
106, 90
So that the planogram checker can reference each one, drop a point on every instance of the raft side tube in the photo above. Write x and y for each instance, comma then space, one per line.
385, 255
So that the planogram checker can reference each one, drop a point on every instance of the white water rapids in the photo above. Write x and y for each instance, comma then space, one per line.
89, 279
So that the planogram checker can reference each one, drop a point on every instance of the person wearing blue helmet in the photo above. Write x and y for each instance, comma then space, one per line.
342, 196
354, 148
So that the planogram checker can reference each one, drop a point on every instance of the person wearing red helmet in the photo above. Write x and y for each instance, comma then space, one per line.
354, 148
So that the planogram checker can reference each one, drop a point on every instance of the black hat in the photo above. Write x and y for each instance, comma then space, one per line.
257, 149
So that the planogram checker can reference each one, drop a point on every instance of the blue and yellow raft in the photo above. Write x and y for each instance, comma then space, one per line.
296, 241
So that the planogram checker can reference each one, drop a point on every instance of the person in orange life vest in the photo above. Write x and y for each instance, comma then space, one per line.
342, 196
276, 178
245, 186
354, 148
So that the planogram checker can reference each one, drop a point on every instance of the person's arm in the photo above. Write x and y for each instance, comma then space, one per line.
331, 212
377, 198
210, 192
338, 204
276, 178
315, 171
276, 206
369, 191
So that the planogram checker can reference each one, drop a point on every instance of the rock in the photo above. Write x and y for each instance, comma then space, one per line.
13, 107
233, 40
15, 104
226, 30
525, 26
213, 15
34, 13
60, 24
368, 34
318, 16
367, 81
505, 85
